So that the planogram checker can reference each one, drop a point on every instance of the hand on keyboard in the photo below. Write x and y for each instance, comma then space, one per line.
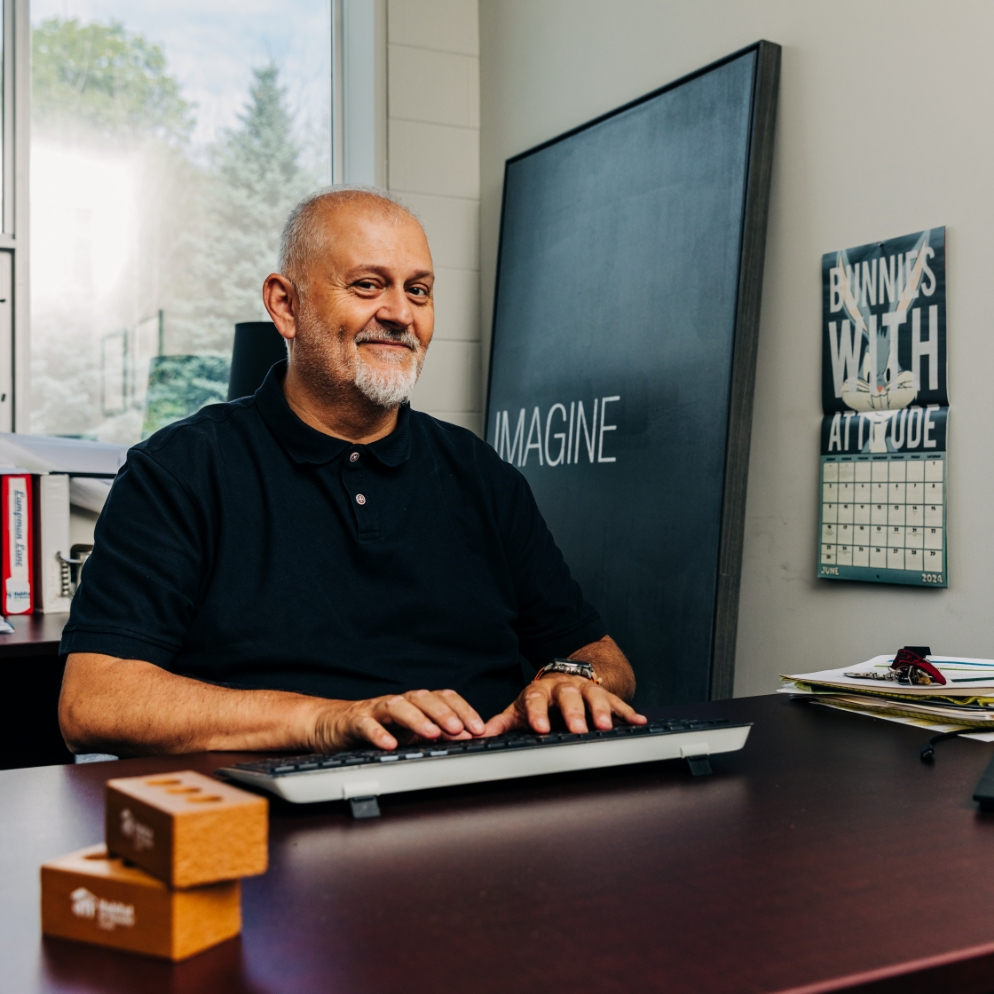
394, 718
573, 696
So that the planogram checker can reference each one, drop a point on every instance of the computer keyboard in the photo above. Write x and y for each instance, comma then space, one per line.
368, 773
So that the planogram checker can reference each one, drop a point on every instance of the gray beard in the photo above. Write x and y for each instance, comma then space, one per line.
387, 388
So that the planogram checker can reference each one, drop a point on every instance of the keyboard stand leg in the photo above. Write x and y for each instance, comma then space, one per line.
365, 807
699, 765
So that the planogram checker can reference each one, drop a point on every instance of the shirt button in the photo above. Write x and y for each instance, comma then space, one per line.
354, 457
360, 499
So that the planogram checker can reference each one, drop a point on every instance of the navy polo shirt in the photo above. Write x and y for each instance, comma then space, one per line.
242, 547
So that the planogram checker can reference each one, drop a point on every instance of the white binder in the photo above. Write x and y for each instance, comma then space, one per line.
53, 594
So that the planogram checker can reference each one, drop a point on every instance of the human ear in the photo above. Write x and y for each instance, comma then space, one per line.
283, 303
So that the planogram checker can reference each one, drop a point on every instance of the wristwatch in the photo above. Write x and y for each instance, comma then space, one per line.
571, 667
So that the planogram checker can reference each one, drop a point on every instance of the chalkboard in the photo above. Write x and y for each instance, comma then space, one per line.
623, 357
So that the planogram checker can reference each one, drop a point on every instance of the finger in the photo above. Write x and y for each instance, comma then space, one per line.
534, 700
501, 724
467, 714
626, 711
406, 737
402, 712
599, 704
435, 707
369, 729
464, 734
570, 702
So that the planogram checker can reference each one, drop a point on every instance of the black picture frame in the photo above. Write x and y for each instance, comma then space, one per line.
564, 214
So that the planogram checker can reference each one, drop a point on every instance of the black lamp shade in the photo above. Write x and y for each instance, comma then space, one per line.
258, 347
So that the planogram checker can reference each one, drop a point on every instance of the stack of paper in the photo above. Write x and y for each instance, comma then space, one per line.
965, 700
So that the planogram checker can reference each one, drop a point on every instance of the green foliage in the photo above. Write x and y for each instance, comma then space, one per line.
179, 385
255, 179
104, 82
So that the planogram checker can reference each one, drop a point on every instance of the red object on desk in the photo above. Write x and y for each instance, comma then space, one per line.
910, 659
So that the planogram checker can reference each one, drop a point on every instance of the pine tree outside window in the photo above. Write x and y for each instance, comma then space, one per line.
168, 143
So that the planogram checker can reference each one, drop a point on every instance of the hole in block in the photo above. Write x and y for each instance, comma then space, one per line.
99, 855
207, 799
182, 790
168, 782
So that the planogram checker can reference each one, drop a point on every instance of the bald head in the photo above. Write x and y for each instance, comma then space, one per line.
308, 232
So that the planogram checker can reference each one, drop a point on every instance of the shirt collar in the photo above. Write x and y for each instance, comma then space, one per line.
307, 445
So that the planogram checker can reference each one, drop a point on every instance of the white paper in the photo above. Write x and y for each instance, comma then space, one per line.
966, 676
931, 726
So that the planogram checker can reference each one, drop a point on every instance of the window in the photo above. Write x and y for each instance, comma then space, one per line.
168, 143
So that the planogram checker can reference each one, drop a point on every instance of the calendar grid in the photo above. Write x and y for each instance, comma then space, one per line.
883, 518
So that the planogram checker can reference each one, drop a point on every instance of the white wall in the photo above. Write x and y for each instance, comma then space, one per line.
433, 143
886, 127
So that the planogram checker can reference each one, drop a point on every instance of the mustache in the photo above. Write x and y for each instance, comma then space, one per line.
379, 333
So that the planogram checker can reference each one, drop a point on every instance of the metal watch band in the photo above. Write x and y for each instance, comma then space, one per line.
570, 667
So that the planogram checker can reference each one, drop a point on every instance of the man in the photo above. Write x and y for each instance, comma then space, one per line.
288, 571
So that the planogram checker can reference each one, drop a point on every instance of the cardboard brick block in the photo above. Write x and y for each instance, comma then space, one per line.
92, 897
187, 829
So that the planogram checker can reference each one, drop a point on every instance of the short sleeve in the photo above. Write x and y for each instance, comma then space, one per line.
553, 617
139, 588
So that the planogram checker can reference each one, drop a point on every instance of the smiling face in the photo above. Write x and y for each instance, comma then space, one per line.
366, 312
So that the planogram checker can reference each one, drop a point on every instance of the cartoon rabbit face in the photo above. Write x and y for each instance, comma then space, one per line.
880, 384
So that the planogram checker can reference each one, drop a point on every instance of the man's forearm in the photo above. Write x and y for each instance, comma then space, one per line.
130, 707
610, 665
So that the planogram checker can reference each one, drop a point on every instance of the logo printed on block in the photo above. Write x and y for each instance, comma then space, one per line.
109, 914
142, 837
92, 896
84, 903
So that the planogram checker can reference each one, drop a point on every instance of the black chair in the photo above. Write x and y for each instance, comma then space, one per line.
258, 347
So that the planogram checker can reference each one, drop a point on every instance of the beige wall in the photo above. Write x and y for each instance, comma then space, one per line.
886, 127
433, 148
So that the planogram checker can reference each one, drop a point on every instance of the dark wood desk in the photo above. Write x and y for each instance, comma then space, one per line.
823, 857
31, 675
34, 635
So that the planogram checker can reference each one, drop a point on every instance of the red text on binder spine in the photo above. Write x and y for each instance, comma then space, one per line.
17, 570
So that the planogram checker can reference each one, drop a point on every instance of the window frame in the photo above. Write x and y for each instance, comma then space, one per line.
15, 289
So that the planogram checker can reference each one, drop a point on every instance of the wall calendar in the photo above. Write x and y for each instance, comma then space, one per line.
886, 410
